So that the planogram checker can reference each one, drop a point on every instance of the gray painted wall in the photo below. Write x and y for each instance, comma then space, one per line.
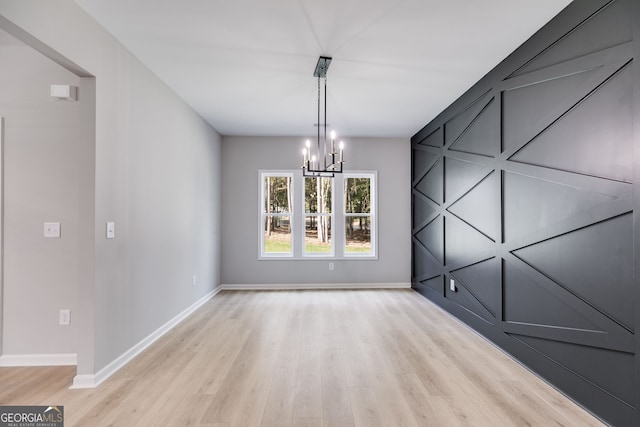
41, 181
243, 157
157, 175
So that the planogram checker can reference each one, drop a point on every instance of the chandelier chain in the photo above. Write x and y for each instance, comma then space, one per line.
323, 163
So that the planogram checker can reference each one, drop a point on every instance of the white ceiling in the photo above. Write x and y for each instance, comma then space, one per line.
247, 66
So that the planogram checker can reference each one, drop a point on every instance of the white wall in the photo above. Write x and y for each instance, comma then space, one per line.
41, 184
157, 175
243, 157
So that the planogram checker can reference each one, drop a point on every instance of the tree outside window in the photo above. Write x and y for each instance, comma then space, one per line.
318, 215
277, 214
358, 215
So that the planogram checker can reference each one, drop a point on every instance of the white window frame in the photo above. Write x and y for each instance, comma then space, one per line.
331, 216
263, 214
373, 215
297, 217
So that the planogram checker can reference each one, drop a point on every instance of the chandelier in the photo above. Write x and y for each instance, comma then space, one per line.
322, 159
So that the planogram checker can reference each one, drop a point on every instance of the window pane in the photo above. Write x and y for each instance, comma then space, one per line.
357, 234
317, 237
277, 194
357, 195
277, 234
317, 195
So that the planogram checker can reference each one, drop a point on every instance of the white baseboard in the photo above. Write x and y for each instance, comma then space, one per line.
94, 380
267, 287
84, 381
14, 360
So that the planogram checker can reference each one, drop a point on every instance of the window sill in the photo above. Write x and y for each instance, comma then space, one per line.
318, 258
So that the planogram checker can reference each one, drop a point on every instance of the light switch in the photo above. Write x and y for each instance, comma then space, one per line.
52, 229
111, 230
65, 317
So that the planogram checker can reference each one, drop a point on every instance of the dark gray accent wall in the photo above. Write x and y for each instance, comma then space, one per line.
525, 193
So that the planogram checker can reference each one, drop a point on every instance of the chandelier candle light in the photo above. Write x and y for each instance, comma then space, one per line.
321, 160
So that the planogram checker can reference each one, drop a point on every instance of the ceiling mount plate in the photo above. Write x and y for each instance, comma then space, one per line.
322, 66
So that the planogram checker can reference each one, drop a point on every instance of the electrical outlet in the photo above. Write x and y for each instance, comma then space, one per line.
452, 285
193, 280
331, 266
65, 317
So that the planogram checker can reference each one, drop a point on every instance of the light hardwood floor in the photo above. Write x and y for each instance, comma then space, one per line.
308, 358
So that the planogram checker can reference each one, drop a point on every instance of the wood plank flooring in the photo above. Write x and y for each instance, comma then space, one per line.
308, 358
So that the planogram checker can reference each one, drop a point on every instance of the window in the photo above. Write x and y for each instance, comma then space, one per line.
318, 216
359, 229
326, 218
277, 215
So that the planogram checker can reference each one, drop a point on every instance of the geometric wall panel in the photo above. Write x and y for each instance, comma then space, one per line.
457, 125
434, 283
526, 301
596, 264
595, 138
528, 110
422, 160
532, 204
427, 263
588, 37
479, 207
483, 281
434, 139
421, 210
464, 242
483, 134
460, 176
431, 184
470, 302
431, 238
607, 369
